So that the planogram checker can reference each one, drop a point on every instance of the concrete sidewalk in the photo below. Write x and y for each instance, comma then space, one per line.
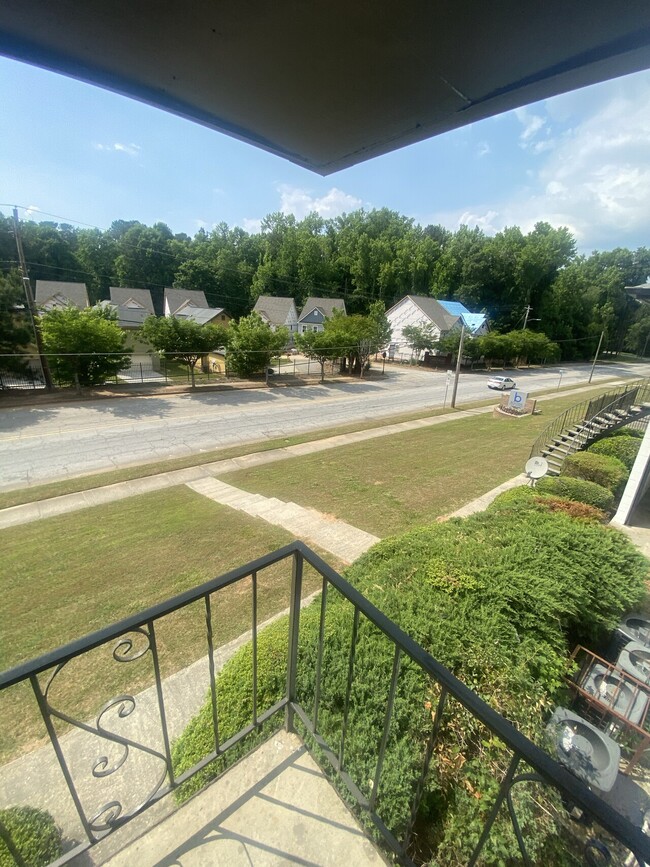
67, 503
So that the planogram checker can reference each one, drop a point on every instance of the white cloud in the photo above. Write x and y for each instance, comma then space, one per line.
483, 148
300, 202
594, 177
30, 211
532, 123
253, 226
131, 149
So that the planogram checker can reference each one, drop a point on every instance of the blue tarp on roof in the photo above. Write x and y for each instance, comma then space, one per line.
473, 321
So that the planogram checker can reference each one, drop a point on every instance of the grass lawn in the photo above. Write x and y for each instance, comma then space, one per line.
67, 576
390, 484
109, 477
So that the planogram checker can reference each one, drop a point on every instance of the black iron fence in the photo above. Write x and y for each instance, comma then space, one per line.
136, 638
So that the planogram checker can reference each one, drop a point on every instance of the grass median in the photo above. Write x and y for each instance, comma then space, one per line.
388, 485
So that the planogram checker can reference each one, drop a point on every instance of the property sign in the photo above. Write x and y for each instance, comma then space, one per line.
517, 400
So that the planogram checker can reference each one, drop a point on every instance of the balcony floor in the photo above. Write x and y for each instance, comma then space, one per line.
274, 807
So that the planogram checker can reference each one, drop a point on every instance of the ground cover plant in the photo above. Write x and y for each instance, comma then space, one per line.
67, 576
499, 598
579, 490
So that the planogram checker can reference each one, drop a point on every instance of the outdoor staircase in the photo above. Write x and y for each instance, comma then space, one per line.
591, 420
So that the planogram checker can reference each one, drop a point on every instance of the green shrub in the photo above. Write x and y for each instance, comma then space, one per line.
531, 499
600, 469
623, 448
578, 490
34, 834
626, 432
498, 598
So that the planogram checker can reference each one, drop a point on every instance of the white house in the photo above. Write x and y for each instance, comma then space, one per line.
444, 316
277, 311
52, 294
177, 298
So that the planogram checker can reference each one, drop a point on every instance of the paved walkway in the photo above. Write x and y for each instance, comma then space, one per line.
343, 540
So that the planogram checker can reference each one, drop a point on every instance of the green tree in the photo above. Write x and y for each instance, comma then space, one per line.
15, 329
253, 344
182, 339
357, 337
319, 346
85, 347
420, 338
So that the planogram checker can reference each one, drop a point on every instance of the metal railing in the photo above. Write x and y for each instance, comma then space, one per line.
582, 415
122, 639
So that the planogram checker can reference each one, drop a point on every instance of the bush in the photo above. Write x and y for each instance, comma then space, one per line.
626, 432
600, 469
498, 598
578, 490
531, 499
35, 835
623, 448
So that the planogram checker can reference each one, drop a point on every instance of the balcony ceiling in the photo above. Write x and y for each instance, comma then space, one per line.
331, 84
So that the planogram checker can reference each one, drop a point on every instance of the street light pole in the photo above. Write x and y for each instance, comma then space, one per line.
602, 334
458, 360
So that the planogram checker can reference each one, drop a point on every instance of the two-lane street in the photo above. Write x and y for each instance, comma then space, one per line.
45, 443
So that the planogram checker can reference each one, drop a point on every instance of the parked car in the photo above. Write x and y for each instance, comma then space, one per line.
501, 382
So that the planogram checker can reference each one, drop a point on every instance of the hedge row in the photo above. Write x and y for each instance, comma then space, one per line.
34, 834
499, 598
601, 469
624, 448
578, 490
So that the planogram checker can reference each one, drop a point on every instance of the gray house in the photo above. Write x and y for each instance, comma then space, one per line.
316, 311
175, 299
52, 294
277, 311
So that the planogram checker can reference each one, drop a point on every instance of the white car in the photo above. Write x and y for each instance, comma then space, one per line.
501, 382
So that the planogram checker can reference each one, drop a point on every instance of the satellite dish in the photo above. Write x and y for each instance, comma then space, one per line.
536, 468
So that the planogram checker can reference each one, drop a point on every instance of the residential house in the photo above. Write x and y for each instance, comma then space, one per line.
52, 294
202, 315
277, 312
175, 299
316, 311
133, 306
444, 316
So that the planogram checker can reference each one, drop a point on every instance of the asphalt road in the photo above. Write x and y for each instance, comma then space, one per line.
46, 443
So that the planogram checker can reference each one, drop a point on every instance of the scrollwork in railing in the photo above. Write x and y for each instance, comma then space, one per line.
128, 648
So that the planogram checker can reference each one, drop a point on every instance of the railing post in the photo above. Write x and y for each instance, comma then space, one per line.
294, 634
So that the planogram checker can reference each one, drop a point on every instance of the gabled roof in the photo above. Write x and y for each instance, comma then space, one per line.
58, 294
432, 309
127, 317
326, 305
176, 298
472, 321
275, 309
121, 295
202, 315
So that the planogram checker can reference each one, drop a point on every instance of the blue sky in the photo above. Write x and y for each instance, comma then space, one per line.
580, 160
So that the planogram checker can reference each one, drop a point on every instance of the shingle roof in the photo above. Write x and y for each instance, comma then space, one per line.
73, 293
121, 294
275, 309
327, 305
433, 310
175, 298
202, 315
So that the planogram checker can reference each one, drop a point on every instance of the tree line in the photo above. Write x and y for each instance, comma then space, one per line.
363, 257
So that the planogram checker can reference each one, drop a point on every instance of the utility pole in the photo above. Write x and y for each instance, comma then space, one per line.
602, 334
27, 286
527, 314
458, 360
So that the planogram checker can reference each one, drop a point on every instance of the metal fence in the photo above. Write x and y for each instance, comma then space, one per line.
136, 638
157, 369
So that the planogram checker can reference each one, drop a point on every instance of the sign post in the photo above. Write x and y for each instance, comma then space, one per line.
561, 371
449, 375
